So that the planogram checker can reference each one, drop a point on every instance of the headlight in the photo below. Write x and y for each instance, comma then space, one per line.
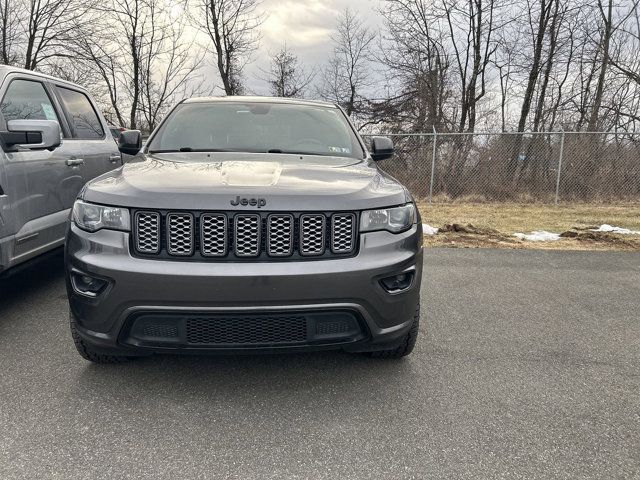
393, 220
91, 217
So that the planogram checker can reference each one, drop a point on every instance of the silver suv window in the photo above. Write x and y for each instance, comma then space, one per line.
257, 128
84, 119
27, 100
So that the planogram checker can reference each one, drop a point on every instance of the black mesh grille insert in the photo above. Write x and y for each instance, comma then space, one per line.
251, 330
160, 330
332, 328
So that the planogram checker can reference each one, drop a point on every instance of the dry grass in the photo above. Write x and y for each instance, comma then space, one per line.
506, 218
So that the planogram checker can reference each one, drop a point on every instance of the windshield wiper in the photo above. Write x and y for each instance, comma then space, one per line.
233, 150
296, 152
195, 150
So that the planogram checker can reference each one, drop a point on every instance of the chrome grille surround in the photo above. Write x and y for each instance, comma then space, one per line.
312, 234
180, 238
280, 230
343, 232
247, 235
147, 232
213, 235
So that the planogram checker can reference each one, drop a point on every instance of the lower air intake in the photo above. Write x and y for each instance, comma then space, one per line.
247, 330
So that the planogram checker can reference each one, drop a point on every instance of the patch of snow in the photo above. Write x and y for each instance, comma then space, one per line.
428, 229
539, 236
612, 229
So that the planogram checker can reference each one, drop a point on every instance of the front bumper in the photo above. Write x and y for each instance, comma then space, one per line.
173, 290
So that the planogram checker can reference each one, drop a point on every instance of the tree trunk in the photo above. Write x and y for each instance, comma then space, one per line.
534, 73
592, 126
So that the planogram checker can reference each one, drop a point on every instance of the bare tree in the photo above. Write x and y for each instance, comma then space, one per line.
232, 27
36, 32
10, 12
471, 27
548, 65
539, 16
348, 72
458, 33
503, 61
418, 70
51, 25
142, 58
116, 46
107, 62
626, 63
169, 72
609, 27
566, 41
287, 77
586, 72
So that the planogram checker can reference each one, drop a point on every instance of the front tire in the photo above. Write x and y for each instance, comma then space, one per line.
89, 353
406, 345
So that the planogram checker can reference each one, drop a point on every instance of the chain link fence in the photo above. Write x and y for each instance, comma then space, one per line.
548, 167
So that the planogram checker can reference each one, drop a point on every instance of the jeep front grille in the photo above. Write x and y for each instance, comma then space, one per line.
244, 236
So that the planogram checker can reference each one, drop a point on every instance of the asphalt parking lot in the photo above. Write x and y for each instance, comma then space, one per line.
527, 367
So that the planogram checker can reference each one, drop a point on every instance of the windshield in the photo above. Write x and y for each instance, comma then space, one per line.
257, 128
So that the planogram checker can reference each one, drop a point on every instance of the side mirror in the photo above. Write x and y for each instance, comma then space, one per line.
130, 142
34, 134
381, 148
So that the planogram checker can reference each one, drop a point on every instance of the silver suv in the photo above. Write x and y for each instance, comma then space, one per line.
246, 224
52, 141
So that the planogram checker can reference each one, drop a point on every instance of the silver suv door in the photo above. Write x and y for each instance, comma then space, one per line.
6, 216
90, 139
40, 185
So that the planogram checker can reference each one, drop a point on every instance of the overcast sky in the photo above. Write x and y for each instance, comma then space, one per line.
306, 26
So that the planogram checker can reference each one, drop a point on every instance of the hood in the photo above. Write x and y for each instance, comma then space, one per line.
197, 181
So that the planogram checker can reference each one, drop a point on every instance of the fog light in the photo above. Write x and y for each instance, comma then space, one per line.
87, 285
398, 283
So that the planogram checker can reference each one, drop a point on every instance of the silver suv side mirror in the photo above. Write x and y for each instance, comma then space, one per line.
33, 134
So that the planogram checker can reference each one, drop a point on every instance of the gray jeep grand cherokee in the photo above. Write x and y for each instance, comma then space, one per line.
246, 224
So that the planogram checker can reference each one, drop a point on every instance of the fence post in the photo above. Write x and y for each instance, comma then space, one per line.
433, 164
559, 166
